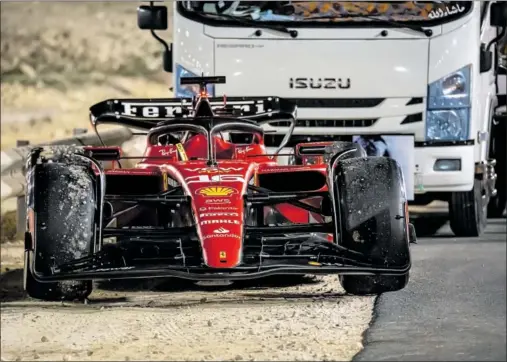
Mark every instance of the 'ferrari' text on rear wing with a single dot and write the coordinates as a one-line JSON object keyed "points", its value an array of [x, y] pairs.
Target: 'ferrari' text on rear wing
{"points": [[146, 113]]}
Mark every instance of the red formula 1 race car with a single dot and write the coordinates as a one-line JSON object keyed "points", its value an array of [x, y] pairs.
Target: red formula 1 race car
{"points": [[207, 202]]}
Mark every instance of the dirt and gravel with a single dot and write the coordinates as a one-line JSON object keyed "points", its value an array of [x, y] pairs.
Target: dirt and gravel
{"points": [[277, 319]]}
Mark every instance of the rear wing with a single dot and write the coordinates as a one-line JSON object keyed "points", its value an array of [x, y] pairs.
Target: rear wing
{"points": [[147, 113]]}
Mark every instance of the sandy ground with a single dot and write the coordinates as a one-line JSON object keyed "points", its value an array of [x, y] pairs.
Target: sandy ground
{"points": [[301, 319]]}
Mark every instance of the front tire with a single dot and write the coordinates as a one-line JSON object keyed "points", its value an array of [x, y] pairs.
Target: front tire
{"points": [[62, 196], [373, 218]]}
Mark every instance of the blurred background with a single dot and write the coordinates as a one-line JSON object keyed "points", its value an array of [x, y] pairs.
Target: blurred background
{"points": [[59, 58]]}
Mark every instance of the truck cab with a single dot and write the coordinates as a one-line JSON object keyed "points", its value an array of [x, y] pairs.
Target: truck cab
{"points": [[421, 77]]}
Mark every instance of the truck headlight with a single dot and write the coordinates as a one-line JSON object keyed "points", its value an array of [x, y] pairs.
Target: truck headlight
{"points": [[188, 90], [448, 107]]}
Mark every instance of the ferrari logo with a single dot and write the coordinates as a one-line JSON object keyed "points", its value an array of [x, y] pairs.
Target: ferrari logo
{"points": [[223, 255], [216, 191]]}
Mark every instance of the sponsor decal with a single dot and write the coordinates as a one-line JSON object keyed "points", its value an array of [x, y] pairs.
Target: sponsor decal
{"points": [[214, 170], [221, 231], [211, 236], [214, 178], [212, 191], [218, 208], [169, 109], [213, 214], [223, 255], [169, 152], [241, 151], [208, 222], [217, 201]]}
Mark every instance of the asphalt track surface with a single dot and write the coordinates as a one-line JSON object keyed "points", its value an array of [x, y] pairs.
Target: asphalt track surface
{"points": [[454, 307]]}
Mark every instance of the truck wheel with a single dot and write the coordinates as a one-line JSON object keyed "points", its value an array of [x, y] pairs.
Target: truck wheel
{"points": [[372, 202], [63, 198], [497, 204], [468, 211]]}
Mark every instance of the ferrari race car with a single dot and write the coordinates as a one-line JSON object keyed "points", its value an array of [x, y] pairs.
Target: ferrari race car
{"points": [[207, 202]]}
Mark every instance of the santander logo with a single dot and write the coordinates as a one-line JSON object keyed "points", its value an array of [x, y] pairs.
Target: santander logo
{"points": [[221, 231]]}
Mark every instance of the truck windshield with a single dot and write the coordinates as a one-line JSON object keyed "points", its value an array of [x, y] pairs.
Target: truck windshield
{"points": [[325, 13]]}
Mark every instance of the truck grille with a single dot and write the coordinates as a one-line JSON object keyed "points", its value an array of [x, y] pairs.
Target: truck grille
{"points": [[336, 102], [329, 123]]}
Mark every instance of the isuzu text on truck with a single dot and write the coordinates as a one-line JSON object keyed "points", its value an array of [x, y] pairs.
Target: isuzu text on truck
{"points": [[414, 80]]}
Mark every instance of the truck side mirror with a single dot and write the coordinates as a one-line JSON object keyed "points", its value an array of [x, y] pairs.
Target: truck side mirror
{"points": [[152, 17], [155, 18], [498, 14]]}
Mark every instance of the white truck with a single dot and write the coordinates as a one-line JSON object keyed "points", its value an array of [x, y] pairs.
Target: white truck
{"points": [[374, 71]]}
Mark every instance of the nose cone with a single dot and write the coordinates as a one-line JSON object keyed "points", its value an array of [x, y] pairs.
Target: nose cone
{"points": [[220, 224], [222, 244], [217, 196]]}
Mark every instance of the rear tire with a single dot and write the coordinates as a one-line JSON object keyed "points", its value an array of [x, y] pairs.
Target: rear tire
{"points": [[370, 227], [468, 211], [63, 198]]}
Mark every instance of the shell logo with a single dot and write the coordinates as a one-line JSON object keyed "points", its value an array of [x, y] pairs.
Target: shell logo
{"points": [[216, 191]]}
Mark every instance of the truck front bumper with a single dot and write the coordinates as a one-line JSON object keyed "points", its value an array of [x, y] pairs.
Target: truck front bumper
{"points": [[429, 178]]}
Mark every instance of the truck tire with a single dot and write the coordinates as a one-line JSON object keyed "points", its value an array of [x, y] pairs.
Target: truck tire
{"points": [[497, 204], [372, 206], [468, 211], [62, 196]]}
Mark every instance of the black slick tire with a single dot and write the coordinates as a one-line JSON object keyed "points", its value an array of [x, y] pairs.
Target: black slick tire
{"points": [[372, 207], [63, 199]]}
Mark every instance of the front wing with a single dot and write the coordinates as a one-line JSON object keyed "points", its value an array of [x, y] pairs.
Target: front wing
{"points": [[296, 249]]}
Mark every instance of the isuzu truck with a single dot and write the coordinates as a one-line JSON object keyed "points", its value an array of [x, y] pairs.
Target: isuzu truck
{"points": [[415, 80]]}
